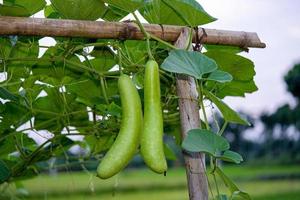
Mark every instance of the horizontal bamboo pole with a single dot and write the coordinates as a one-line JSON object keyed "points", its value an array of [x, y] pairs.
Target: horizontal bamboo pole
{"points": [[119, 30]]}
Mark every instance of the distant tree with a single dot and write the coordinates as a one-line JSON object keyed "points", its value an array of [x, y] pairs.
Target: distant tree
{"points": [[278, 144], [292, 79], [285, 116]]}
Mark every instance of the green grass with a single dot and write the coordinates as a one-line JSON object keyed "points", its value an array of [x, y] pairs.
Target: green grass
{"points": [[144, 184]]}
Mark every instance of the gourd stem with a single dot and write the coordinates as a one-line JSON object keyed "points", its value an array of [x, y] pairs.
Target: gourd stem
{"points": [[147, 35]]}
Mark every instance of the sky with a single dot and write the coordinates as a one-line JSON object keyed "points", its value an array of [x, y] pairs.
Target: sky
{"points": [[278, 25]]}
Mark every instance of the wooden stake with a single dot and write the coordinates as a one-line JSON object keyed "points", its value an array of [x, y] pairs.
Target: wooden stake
{"points": [[190, 119], [118, 30]]}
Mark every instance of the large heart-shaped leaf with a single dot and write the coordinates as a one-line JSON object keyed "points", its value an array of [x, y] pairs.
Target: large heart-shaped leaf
{"points": [[241, 69], [228, 114], [21, 8], [175, 12], [200, 140], [126, 5], [190, 63], [79, 9]]}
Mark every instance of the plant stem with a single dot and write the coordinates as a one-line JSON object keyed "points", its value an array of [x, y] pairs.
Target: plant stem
{"points": [[162, 41], [120, 61], [203, 107], [223, 128], [104, 90], [216, 183], [190, 39], [147, 35]]}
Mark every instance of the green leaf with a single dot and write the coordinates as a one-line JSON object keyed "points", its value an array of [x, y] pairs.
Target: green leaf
{"points": [[228, 114], [56, 71], [126, 5], [79, 9], [50, 12], [58, 110], [231, 156], [5, 94], [14, 114], [190, 63], [223, 48], [200, 140], [170, 155], [138, 79], [113, 14], [241, 69], [235, 191], [92, 96], [235, 88], [21, 8], [222, 197], [102, 64], [23, 52], [219, 76], [21, 190], [111, 109], [5, 48], [175, 12], [136, 51], [5, 172], [99, 144]]}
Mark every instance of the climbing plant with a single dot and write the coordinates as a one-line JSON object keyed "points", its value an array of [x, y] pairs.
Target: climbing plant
{"points": [[71, 88]]}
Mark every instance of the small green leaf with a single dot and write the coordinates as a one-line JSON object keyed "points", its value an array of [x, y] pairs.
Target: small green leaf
{"points": [[5, 172], [231, 156], [200, 140], [190, 63], [235, 191], [228, 114], [170, 155], [219, 76]]}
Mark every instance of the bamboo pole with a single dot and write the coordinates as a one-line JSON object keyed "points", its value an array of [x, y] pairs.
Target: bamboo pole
{"points": [[190, 119], [119, 30]]}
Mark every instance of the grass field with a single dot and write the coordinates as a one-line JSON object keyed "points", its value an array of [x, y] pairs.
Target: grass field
{"points": [[143, 184]]}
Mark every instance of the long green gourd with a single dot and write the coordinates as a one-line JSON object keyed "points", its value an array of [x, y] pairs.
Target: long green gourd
{"points": [[152, 148], [128, 139]]}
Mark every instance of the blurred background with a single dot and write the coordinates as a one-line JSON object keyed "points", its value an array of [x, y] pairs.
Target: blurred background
{"points": [[270, 147]]}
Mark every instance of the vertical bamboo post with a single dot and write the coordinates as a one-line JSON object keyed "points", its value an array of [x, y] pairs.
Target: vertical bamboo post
{"points": [[190, 119]]}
